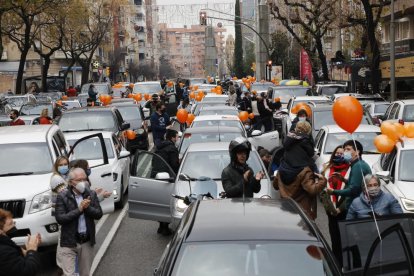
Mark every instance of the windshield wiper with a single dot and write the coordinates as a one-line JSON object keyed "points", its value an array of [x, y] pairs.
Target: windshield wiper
{"points": [[16, 173]]}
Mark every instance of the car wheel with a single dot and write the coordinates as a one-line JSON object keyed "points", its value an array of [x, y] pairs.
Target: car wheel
{"points": [[120, 203]]}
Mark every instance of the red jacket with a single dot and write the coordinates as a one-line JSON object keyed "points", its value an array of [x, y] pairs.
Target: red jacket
{"points": [[18, 122], [71, 92]]}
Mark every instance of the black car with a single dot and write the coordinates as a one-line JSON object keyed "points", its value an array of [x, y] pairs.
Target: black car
{"points": [[134, 115], [251, 237], [104, 118]]}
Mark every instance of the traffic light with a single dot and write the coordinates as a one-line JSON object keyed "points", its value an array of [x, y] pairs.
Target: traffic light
{"points": [[203, 18], [108, 71]]}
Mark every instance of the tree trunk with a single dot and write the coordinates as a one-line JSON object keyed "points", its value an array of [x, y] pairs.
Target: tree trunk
{"points": [[20, 72], [238, 44], [322, 59], [65, 75], [85, 73], [45, 70]]}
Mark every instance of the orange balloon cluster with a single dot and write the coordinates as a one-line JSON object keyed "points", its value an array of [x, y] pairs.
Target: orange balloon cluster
{"points": [[217, 90], [64, 97], [130, 95], [251, 116], [146, 96], [347, 113], [243, 115], [409, 130], [182, 115], [105, 99], [392, 132], [301, 106], [138, 97], [192, 95]]}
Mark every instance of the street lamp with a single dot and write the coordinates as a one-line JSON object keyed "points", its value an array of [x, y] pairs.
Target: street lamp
{"points": [[269, 70]]}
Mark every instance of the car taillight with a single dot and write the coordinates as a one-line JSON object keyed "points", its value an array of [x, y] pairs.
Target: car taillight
{"points": [[401, 121]]}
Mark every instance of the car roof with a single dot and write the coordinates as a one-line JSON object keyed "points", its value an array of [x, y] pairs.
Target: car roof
{"points": [[407, 101], [218, 107], [81, 134], [91, 108], [208, 146], [212, 95], [24, 134], [215, 118], [322, 107], [253, 219], [361, 128], [311, 98], [147, 82], [213, 129]]}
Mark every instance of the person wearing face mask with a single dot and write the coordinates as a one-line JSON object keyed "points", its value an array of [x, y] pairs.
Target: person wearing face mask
{"points": [[335, 205], [15, 260], [302, 116], [15, 120], [265, 111], [159, 122], [77, 208], [382, 203], [359, 168], [57, 180]]}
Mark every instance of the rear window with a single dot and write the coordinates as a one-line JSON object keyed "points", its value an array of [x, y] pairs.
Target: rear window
{"points": [[408, 115], [92, 120]]}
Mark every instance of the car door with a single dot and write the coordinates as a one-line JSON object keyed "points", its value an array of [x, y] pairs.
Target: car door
{"points": [[320, 147], [122, 163], [171, 105], [269, 140], [101, 171], [149, 190]]}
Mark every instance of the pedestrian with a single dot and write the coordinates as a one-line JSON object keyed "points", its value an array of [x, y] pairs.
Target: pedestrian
{"points": [[77, 208], [33, 88], [15, 260], [15, 120], [266, 157], [232, 97], [374, 199], [44, 117], [265, 111], [179, 91], [90, 102], [238, 178], [359, 168], [58, 179], [152, 103], [168, 151], [71, 92], [185, 104], [335, 205], [57, 113], [246, 102], [92, 92], [159, 122], [301, 116]]}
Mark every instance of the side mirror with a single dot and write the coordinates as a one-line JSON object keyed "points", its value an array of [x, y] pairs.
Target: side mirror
{"points": [[162, 176], [125, 126], [124, 154], [256, 132], [384, 175]]}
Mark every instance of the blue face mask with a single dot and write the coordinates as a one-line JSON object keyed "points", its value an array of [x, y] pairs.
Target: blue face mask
{"points": [[88, 172], [338, 159], [347, 156], [63, 169]]}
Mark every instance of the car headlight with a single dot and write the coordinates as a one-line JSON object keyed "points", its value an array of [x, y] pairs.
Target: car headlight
{"points": [[180, 206], [408, 204], [41, 202]]}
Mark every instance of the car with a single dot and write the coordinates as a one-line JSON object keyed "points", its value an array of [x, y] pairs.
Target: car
{"points": [[377, 109], [206, 88], [195, 108], [27, 157], [98, 118], [330, 88], [259, 87], [147, 87], [208, 134], [362, 98], [102, 88], [150, 187], [70, 104], [118, 160], [400, 111], [331, 136], [134, 115], [396, 170], [16, 102], [218, 110], [247, 237], [284, 93]]}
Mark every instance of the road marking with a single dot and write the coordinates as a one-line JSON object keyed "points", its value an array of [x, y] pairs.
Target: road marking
{"points": [[108, 239], [101, 222]]}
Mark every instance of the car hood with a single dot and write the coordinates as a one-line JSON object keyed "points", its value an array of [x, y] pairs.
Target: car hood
{"points": [[23, 186]]}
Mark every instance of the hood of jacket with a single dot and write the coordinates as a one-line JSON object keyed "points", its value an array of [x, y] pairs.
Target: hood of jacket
{"points": [[165, 144], [292, 138]]}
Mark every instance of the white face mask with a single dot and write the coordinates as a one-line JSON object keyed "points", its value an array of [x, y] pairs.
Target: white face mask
{"points": [[374, 191], [247, 127], [81, 187], [302, 119]]}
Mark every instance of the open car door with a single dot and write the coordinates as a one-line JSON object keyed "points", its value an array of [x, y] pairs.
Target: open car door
{"points": [[268, 140], [101, 174], [363, 253], [150, 187]]}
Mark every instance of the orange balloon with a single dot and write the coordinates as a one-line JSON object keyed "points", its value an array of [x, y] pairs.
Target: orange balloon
{"points": [[201, 93], [182, 115], [219, 92], [301, 106], [218, 87], [170, 84], [130, 134], [64, 97], [192, 95], [251, 116], [384, 144], [190, 118], [195, 87], [390, 129], [130, 95], [277, 99], [247, 85], [409, 130], [254, 79], [243, 116], [400, 129], [213, 90], [347, 113], [138, 97], [101, 97], [198, 98], [146, 96]]}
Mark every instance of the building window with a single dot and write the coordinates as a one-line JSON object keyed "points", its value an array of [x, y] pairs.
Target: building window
{"points": [[138, 2], [404, 29]]}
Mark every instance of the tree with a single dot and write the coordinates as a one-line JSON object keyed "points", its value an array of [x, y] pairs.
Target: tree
{"points": [[308, 22], [285, 51], [238, 44], [142, 70], [249, 59], [4, 7], [166, 69]]}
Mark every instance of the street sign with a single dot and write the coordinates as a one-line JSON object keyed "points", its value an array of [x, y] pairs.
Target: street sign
{"points": [[100, 71], [95, 64]]}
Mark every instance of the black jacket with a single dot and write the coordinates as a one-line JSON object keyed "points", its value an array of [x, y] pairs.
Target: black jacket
{"points": [[232, 181], [67, 214], [263, 111], [169, 152], [246, 104], [12, 260], [295, 121], [299, 150]]}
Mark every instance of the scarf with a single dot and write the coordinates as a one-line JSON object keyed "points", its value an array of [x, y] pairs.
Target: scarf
{"points": [[334, 182]]}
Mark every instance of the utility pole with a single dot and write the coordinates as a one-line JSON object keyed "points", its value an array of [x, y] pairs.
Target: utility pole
{"points": [[392, 54], [262, 25], [210, 56]]}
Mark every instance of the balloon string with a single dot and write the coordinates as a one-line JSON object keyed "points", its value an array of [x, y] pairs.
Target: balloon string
{"points": [[366, 188]]}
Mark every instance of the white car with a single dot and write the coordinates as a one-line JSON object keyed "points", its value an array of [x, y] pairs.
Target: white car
{"points": [[147, 87], [331, 136], [268, 140], [117, 158], [400, 111], [328, 89], [27, 157], [16, 102], [396, 170], [215, 98], [71, 104], [377, 108]]}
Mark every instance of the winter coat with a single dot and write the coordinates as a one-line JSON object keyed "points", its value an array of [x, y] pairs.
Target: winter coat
{"points": [[13, 262], [159, 125], [169, 152], [246, 104], [232, 181], [263, 111], [383, 204], [295, 121], [92, 93], [232, 99], [299, 150], [304, 190], [67, 215]]}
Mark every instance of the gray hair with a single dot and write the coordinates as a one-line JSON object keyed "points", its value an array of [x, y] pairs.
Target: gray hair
{"points": [[368, 177], [75, 172]]}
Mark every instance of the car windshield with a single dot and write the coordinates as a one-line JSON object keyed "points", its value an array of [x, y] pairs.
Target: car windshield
{"points": [[91, 149], [251, 258], [229, 123], [365, 138], [259, 87], [330, 90], [191, 138], [36, 158], [129, 113], [408, 115], [17, 101], [147, 88], [381, 108], [234, 112], [71, 104], [100, 88], [286, 93], [406, 172], [29, 109], [212, 163], [325, 117], [197, 81], [93, 120], [214, 99], [204, 104]]}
